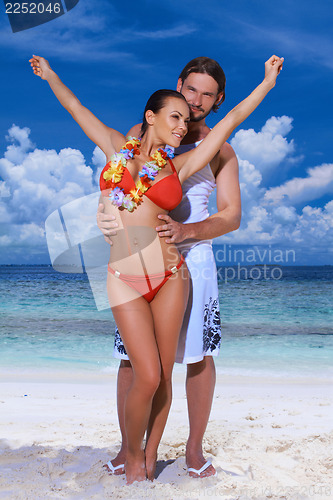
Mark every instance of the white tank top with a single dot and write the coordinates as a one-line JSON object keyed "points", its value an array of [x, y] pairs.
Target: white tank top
{"points": [[196, 191]]}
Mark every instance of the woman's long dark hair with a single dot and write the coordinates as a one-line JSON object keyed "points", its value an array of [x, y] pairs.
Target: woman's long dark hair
{"points": [[156, 102]]}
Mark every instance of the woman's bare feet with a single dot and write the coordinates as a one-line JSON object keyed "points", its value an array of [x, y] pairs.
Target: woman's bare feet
{"points": [[196, 461], [151, 466], [116, 463], [135, 467]]}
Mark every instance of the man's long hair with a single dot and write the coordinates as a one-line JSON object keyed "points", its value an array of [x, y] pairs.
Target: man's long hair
{"points": [[211, 68]]}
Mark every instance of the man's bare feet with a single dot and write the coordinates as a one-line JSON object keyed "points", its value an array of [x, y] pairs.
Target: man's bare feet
{"points": [[116, 463], [135, 467], [197, 461], [151, 466]]}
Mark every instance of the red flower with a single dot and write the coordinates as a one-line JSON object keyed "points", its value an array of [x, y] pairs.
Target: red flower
{"points": [[162, 153]]}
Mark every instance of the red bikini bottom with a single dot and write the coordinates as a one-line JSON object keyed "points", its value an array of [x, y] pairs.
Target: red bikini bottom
{"points": [[153, 282]]}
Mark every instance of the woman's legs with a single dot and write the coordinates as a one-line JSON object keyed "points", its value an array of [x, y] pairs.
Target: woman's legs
{"points": [[150, 334], [168, 311], [135, 323]]}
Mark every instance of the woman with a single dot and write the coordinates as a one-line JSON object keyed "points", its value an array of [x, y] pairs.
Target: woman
{"points": [[147, 279]]}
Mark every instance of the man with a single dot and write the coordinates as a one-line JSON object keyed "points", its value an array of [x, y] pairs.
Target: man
{"points": [[202, 82]]}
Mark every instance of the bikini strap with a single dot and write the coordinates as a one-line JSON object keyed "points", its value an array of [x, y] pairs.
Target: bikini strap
{"points": [[172, 166]]}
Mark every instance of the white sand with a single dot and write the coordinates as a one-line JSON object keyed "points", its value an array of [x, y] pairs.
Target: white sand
{"points": [[268, 439]]}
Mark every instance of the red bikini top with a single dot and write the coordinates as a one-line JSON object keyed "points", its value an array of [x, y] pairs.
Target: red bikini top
{"points": [[165, 193]]}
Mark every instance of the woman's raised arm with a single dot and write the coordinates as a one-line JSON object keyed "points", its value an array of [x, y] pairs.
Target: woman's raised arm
{"points": [[192, 161], [108, 139]]}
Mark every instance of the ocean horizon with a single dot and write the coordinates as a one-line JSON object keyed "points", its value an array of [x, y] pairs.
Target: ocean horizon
{"points": [[273, 324]]}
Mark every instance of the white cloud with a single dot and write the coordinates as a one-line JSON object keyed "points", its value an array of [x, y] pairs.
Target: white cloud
{"points": [[4, 190], [318, 183], [284, 214], [279, 223], [31, 234], [16, 152], [278, 125], [250, 180], [33, 184], [268, 148], [312, 229], [99, 160], [270, 215], [313, 232], [36, 183]]}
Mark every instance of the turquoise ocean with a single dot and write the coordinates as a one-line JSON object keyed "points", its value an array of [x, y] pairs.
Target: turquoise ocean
{"points": [[274, 324]]}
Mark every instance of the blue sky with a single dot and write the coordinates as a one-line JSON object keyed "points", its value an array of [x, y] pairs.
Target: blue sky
{"points": [[113, 55]]}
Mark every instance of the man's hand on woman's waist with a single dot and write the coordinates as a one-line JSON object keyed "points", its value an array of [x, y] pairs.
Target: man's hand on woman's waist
{"points": [[174, 231]]}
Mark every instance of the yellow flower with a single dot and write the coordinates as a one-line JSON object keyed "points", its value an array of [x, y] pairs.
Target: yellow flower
{"points": [[107, 175], [114, 173], [133, 144], [133, 141], [117, 176], [136, 195], [159, 159], [142, 187]]}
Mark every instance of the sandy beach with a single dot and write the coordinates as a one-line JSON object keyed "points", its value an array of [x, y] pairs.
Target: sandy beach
{"points": [[267, 438]]}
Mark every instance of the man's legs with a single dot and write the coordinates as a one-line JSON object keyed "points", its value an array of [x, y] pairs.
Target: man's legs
{"points": [[124, 382], [200, 385]]}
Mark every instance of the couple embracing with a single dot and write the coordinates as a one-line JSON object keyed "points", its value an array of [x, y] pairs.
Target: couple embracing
{"points": [[155, 188]]}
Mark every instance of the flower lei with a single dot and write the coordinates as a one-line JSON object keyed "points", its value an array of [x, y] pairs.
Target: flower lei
{"points": [[116, 169]]}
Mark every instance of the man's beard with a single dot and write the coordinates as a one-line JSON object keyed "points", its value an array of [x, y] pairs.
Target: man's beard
{"points": [[200, 117]]}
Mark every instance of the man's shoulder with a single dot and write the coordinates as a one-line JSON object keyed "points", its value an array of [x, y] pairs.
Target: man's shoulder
{"points": [[226, 150], [223, 156]]}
